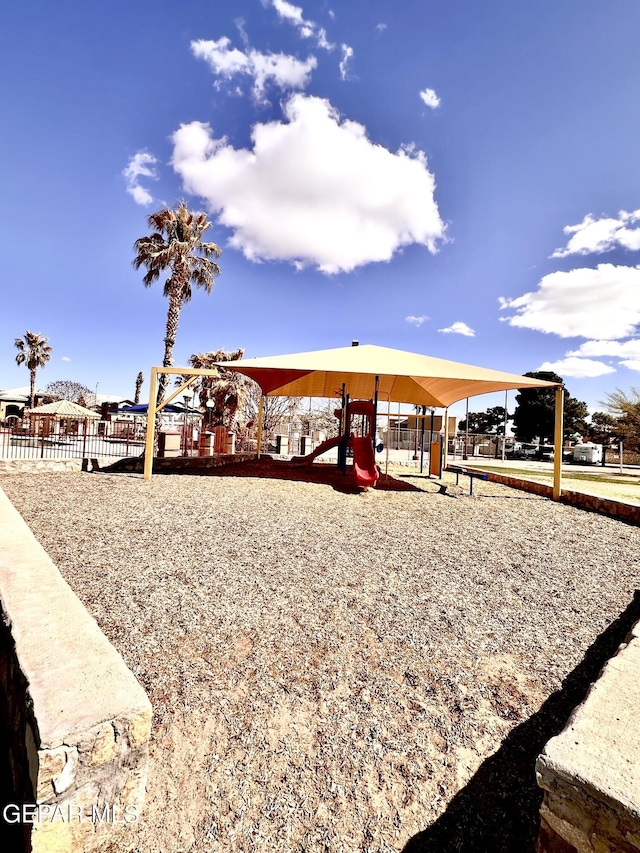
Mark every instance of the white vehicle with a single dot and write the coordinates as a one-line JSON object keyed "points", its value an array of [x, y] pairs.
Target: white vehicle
{"points": [[587, 453]]}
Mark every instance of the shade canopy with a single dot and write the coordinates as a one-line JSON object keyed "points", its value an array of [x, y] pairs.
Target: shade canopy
{"points": [[142, 409], [64, 409], [404, 377]]}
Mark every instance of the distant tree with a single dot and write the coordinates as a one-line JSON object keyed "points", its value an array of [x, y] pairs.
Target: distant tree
{"points": [[604, 428], [625, 407], [176, 245], [490, 422], [139, 381], [323, 418], [478, 423], [67, 389], [274, 409], [534, 416], [33, 351]]}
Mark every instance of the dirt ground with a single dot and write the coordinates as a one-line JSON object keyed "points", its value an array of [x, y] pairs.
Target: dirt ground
{"points": [[339, 671]]}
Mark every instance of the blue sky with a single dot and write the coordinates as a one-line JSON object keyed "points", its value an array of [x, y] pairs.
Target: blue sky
{"points": [[454, 179]]}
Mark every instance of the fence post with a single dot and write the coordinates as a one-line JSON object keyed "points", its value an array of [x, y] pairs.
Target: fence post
{"points": [[84, 438]]}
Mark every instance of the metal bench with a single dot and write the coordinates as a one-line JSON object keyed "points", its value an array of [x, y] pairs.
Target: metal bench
{"points": [[472, 475]]}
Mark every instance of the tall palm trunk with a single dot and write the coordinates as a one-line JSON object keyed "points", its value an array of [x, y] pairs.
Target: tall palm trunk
{"points": [[173, 318], [32, 389]]}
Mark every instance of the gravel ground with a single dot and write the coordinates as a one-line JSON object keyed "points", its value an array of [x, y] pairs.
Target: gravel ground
{"points": [[334, 671]]}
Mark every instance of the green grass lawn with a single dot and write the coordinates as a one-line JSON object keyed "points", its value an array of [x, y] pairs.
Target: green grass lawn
{"points": [[600, 482], [567, 474]]}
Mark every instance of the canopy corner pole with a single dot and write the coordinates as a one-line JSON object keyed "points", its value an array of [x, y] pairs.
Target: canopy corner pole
{"points": [[342, 461], [445, 440], [558, 444], [465, 455], [374, 425], [433, 412], [386, 459], [345, 438], [260, 418], [151, 425], [506, 418]]}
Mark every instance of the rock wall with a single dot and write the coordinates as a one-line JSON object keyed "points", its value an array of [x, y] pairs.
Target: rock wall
{"points": [[590, 772], [75, 724], [179, 464]]}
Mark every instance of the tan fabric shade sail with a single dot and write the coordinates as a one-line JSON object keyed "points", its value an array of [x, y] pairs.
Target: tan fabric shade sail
{"points": [[404, 377]]}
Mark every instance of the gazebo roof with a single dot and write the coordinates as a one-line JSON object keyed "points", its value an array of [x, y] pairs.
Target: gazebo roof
{"points": [[64, 409]]}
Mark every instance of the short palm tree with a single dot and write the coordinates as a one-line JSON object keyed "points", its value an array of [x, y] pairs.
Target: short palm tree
{"points": [[35, 352], [228, 390], [176, 245]]}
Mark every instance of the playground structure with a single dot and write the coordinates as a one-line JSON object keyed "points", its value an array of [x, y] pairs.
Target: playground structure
{"points": [[357, 432], [362, 371]]}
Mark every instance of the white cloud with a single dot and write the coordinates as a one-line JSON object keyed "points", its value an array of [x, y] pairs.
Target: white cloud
{"points": [[141, 165], [577, 367], [289, 12], [304, 193], [306, 29], [65, 358], [601, 235], [587, 303], [283, 70], [631, 363], [140, 195], [459, 328], [381, 27], [322, 40], [430, 98], [619, 349], [416, 321], [347, 53], [287, 72]]}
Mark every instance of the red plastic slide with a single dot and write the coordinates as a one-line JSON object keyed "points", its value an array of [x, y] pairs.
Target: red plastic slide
{"points": [[364, 462], [320, 449]]}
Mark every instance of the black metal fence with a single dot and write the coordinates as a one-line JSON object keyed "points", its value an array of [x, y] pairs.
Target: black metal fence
{"points": [[70, 439]]}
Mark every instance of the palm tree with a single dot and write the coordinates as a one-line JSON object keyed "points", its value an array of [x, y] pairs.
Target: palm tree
{"points": [[176, 245], [228, 390], [35, 352], [139, 381]]}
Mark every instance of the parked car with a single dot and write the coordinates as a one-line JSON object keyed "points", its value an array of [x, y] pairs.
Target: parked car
{"points": [[521, 450], [545, 453]]}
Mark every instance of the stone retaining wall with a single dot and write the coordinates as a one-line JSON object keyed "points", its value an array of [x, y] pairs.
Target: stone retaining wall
{"points": [[179, 464], [75, 723], [590, 772]]}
